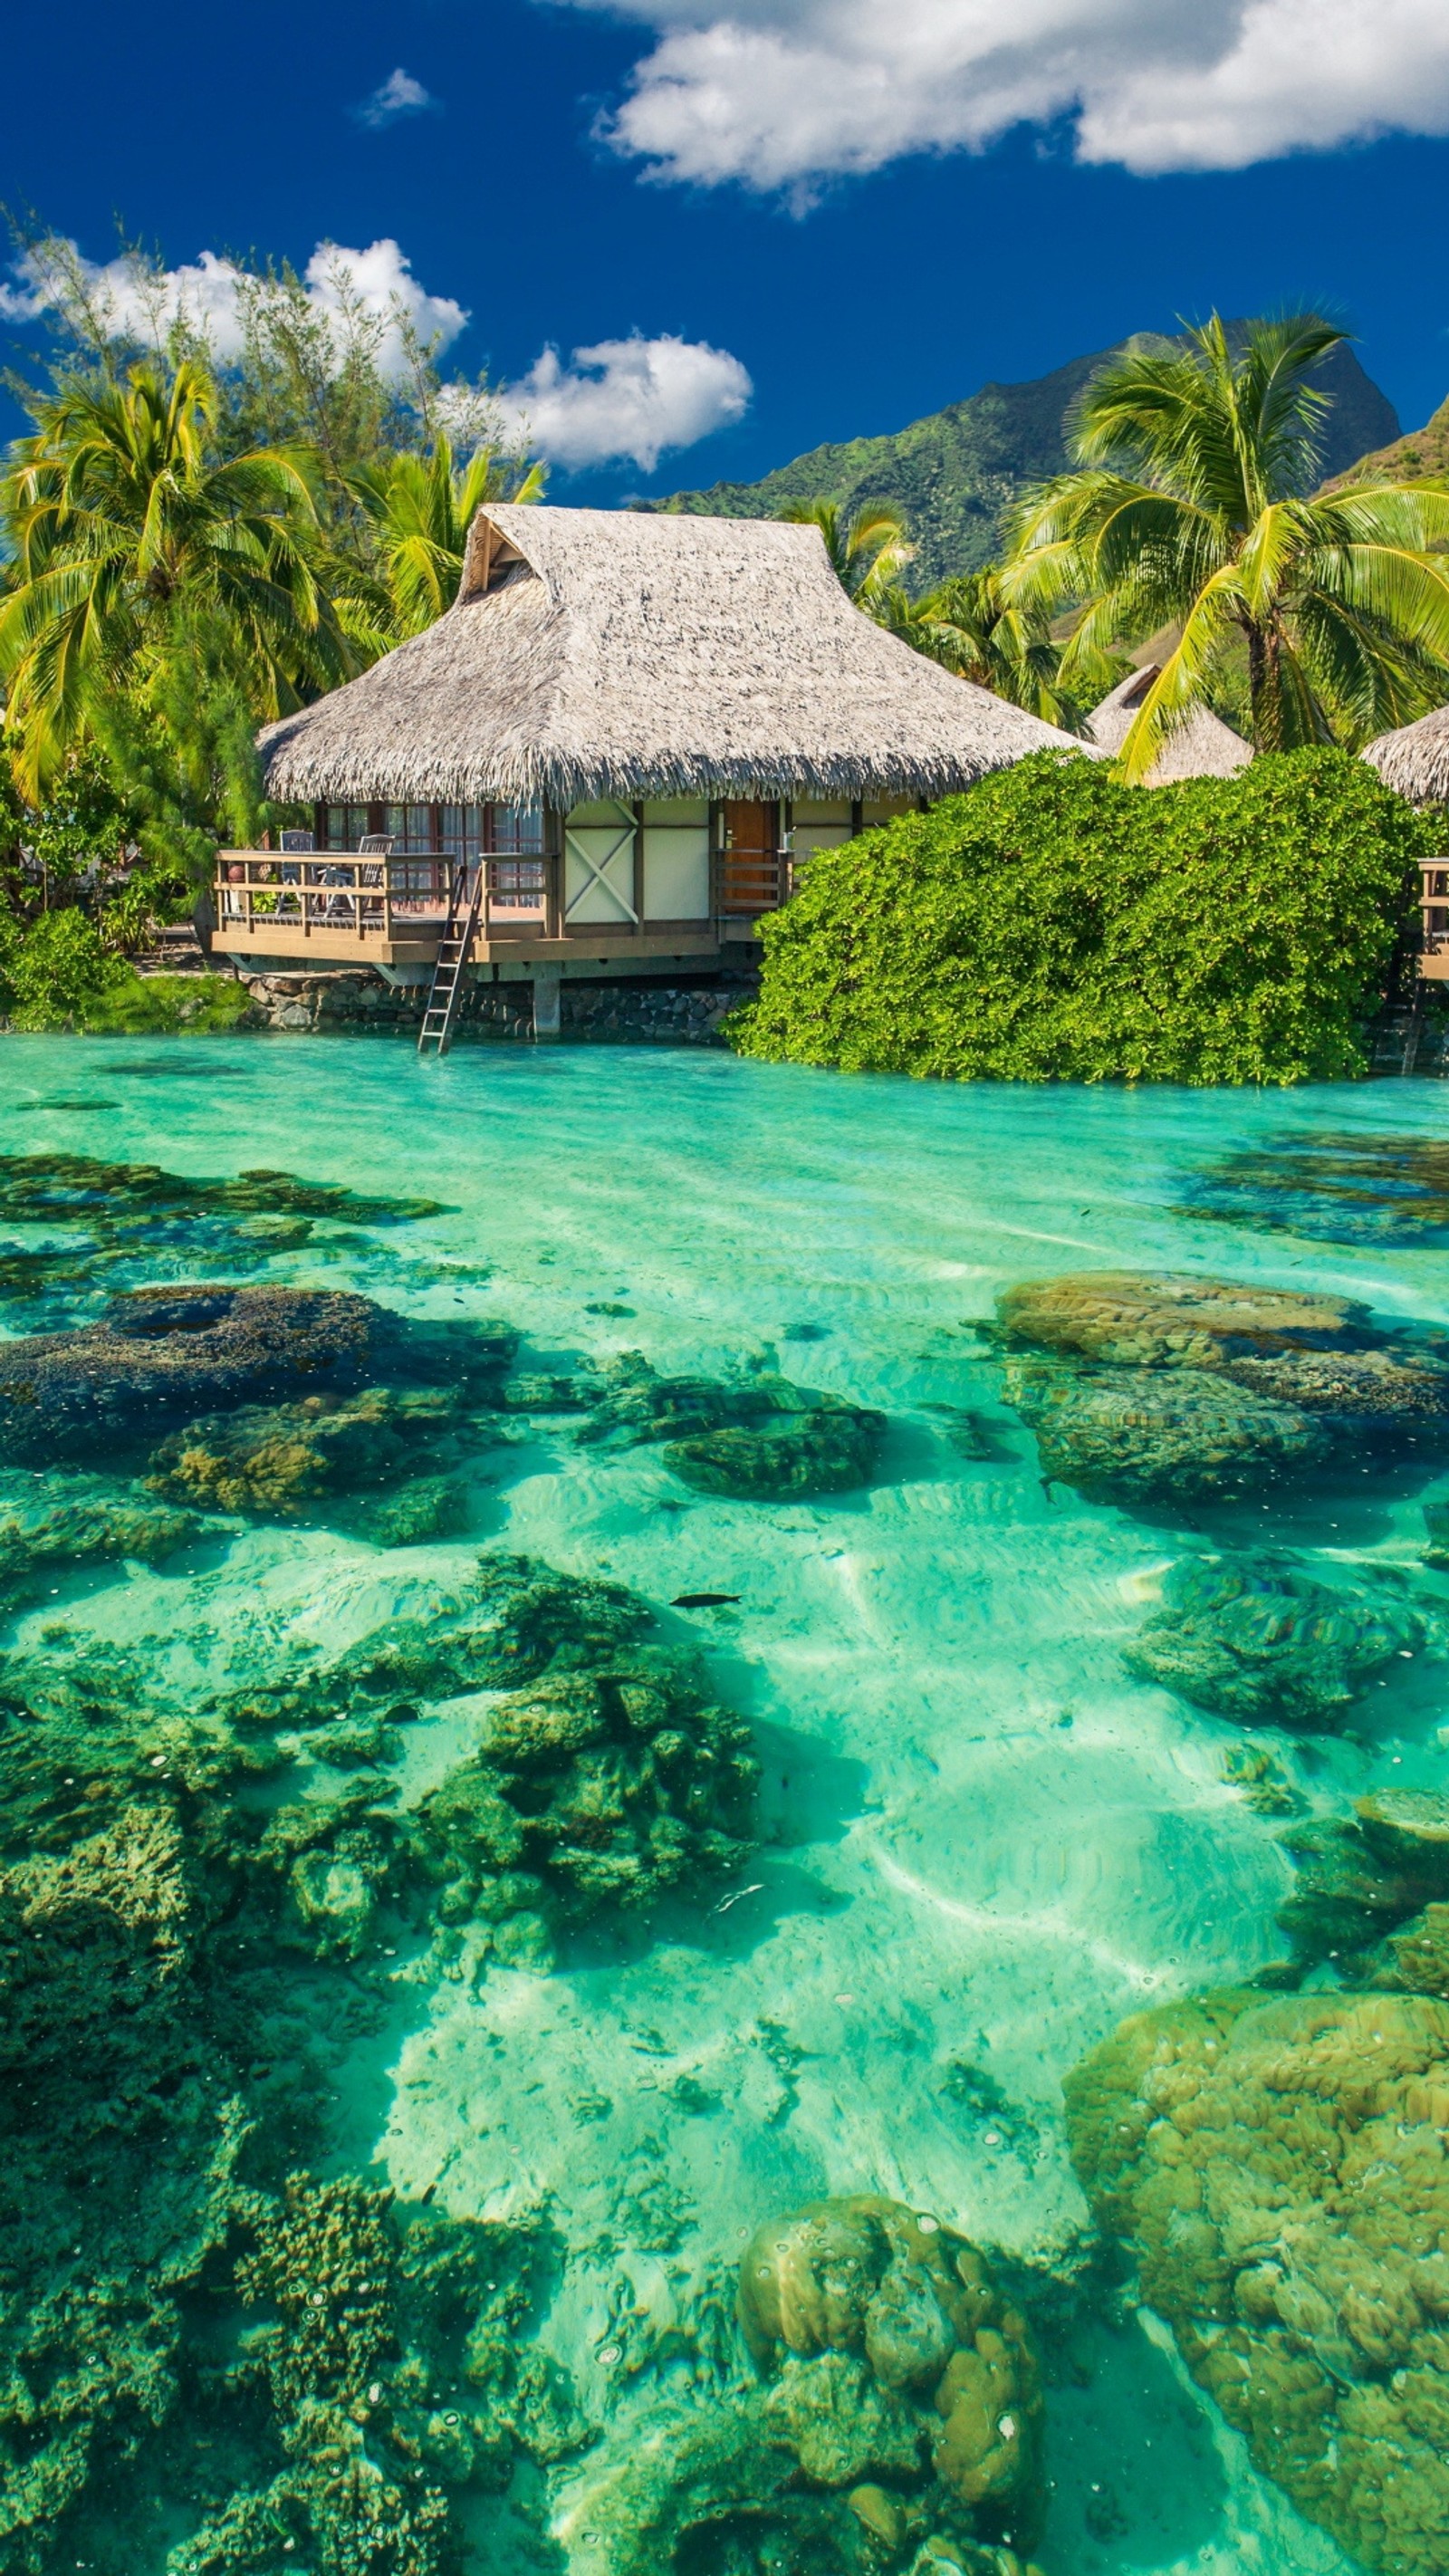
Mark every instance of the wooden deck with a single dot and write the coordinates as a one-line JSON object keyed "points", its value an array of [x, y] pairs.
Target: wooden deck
{"points": [[348, 908]]}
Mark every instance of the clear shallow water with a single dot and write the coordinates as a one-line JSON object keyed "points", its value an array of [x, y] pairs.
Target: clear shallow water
{"points": [[987, 1843]]}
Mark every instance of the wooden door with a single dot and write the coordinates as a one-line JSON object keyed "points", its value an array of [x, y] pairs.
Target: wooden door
{"points": [[750, 876]]}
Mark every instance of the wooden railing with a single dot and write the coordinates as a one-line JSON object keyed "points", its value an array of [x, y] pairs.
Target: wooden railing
{"points": [[343, 893]]}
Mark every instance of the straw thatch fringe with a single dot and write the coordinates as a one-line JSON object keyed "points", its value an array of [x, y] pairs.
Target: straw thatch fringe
{"points": [[597, 653], [1202, 746], [1415, 760]]}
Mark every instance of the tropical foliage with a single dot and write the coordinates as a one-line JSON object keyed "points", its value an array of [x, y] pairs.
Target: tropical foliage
{"points": [[121, 519], [1187, 511], [195, 538], [866, 550], [419, 510], [973, 627], [1221, 931]]}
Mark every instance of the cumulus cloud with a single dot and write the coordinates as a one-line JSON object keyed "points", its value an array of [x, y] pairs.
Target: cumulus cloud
{"points": [[399, 95], [625, 399], [786, 93], [138, 301]]}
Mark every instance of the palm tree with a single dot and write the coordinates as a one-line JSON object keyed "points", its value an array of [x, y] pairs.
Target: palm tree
{"points": [[419, 509], [1187, 510], [971, 627], [119, 514], [866, 551]]}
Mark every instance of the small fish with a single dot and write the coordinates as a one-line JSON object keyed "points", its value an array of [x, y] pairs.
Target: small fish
{"points": [[726, 1902], [702, 1600], [425, 2196]]}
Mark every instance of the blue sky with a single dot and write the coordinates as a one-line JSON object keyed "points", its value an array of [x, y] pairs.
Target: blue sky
{"points": [[864, 207]]}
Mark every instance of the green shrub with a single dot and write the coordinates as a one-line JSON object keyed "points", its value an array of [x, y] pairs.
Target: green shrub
{"points": [[1054, 925], [59, 974]]}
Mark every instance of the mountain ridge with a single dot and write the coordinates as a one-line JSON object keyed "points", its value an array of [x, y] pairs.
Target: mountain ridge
{"points": [[955, 473]]}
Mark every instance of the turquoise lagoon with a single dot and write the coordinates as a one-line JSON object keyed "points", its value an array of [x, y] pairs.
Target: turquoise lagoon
{"points": [[984, 1842]]}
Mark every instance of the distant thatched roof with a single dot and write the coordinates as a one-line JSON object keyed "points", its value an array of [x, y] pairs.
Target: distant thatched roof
{"points": [[1204, 747], [611, 652], [1416, 759]]}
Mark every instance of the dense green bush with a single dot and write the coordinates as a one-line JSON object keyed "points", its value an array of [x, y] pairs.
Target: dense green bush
{"points": [[59, 974], [1052, 924]]}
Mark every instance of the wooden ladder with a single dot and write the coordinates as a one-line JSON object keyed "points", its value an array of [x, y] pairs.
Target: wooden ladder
{"points": [[454, 950]]}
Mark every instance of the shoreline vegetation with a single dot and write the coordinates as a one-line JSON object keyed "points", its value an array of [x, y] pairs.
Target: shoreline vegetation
{"points": [[1055, 924], [196, 544]]}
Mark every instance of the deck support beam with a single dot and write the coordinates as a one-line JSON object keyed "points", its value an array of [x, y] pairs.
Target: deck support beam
{"points": [[546, 988]]}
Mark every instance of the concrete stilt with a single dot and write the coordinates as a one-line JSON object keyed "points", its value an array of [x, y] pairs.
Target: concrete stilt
{"points": [[545, 1002]]}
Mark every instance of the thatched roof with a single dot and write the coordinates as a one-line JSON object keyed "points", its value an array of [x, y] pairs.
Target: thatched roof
{"points": [[1203, 747], [1416, 759], [614, 652]]}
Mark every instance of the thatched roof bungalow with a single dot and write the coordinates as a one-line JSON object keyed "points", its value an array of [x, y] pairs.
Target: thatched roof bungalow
{"points": [[1203, 747], [1415, 760], [629, 725]]}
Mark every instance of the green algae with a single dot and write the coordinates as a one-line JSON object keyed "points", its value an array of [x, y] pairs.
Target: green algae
{"points": [[1278, 2168], [1253, 1636]]}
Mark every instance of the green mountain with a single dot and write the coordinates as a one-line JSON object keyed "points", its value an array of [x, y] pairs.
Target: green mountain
{"points": [[954, 475], [1418, 452]]}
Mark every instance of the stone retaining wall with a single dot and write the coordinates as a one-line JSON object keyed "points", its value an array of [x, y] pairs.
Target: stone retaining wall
{"points": [[643, 1012]]}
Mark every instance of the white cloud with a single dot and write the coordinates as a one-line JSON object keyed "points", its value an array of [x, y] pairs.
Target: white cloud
{"points": [[786, 93], [625, 398], [399, 95], [141, 302]]}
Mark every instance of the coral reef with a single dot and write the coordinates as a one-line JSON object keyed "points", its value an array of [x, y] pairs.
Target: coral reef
{"points": [[1279, 2166], [164, 1356], [602, 1787], [286, 1461], [82, 1520], [1360, 1878], [1254, 1637], [1166, 1389], [758, 1436], [301, 2365], [891, 2349], [393, 2374]]}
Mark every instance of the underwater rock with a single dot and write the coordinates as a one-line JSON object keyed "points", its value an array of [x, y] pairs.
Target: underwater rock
{"points": [[1169, 1436], [60, 1189], [1436, 1517], [912, 2310], [1358, 1878], [123, 1222], [1254, 1637], [1165, 1388], [758, 1437], [160, 1356], [1338, 1189], [1279, 2166], [82, 1520], [604, 1787], [833, 1450], [1141, 1319]]}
